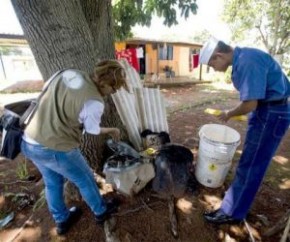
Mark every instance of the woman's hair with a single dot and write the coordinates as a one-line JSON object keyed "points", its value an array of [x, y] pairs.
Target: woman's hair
{"points": [[110, 72]]}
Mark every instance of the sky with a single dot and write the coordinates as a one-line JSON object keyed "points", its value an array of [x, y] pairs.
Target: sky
{"points": [[8, 21], [207, 18]]}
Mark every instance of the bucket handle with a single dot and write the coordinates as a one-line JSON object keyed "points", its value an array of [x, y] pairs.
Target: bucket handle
{"points": [[226, 146]]}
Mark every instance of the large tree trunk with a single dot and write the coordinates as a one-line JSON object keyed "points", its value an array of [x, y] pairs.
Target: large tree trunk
{"points": [[97, 14], [93, 146], [58, 34], [71, 34]]}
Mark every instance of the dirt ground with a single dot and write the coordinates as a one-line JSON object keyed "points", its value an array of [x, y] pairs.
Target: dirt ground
{"points": [[145, 218]]}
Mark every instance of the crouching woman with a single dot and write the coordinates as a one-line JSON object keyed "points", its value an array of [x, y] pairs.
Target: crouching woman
{"points": [[72, 104]]}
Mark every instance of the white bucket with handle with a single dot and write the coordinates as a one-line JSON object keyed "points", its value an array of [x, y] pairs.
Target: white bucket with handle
{"points": [[217, 147]]}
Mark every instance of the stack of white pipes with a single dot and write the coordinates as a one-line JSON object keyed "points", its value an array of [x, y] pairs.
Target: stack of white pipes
{"points": [[126, 108], [142, 108], [133, 78], [151, 109]]}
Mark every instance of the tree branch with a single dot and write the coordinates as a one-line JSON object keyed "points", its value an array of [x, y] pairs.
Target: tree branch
{"points": [[264, 39]]}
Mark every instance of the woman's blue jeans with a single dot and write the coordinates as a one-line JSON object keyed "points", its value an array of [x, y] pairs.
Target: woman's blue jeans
{"points": [[266, 128], [55, 166]]}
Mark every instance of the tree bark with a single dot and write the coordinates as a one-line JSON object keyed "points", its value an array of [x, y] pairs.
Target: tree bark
{"points": [[98, 14], [58, 34], [71, 34]]}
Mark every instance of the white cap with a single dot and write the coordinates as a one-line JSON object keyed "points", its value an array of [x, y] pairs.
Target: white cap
{"points": [[207, 50]]}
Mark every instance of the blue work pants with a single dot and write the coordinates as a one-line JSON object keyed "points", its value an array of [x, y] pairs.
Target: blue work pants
{"points": [[266, 128]]}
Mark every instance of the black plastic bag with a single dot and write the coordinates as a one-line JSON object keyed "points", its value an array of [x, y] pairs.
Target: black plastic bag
{"points": [[12, 141], [13, 127], [122, 155]]}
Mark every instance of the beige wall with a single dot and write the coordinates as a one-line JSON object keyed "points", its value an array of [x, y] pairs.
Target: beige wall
{"points": [[151, 59], [184, 61]]}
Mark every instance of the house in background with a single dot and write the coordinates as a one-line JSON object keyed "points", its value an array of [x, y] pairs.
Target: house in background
{"points": [[153, 59], [17, 62], [162, 58]]}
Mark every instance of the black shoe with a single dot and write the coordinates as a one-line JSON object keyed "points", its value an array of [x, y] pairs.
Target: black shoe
{"points": [[210, 213], [219, 217], [112, 207], [74, 215]]}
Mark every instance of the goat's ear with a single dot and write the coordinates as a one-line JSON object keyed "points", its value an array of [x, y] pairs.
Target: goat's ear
{"points": [[146, 132], [164, 137]]}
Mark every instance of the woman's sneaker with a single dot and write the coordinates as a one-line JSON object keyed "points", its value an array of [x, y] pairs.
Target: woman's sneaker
{"points": [[112, 207], [74, 215]]}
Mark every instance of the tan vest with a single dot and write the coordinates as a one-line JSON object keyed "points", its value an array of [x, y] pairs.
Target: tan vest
{"points": [[55, 123]]}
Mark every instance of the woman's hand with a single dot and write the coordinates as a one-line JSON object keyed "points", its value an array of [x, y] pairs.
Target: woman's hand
{"points": [[113, 132]]}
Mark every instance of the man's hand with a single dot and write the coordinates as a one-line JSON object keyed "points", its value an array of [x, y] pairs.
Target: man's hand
{"points": [[243, 108], [224, 116]]}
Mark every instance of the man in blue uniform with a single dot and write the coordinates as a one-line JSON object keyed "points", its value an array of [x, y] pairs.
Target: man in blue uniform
{"points": [[264, 90]]}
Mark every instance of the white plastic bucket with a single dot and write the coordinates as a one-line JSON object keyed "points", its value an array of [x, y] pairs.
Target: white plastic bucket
{"points": [[217, 147]]}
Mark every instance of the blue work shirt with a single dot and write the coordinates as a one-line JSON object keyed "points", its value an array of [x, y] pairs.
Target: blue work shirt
{"points": [[257, 76]]}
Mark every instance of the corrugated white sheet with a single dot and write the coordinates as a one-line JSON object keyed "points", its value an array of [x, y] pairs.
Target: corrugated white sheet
{"points": [[142, 108], [151, 109]]}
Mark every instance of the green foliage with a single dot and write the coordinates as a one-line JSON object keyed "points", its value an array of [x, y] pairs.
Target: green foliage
{"points": [[201, 36], [228, 76], [127, 13], [243, 18], [21, 170], [4, 50], [40, 202], [267, 20]]}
